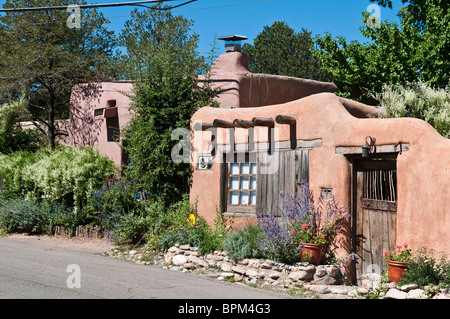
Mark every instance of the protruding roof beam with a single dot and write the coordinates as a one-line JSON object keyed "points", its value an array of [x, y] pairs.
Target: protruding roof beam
{"points": [[285, 119], [242, 123], [261, 121], [222, 123]]}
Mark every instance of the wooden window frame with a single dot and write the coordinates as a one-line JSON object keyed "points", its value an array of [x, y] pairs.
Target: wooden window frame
{"points": [[238, 210]]}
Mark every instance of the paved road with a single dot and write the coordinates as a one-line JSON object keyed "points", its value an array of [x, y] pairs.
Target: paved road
{"points": [[34, 271]]}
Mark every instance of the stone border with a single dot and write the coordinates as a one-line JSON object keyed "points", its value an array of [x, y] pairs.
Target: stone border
{"points": [[307, 280]]}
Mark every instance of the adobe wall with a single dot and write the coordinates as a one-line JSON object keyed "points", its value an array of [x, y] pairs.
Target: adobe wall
{"points": [[87, 129], [423, 172]]}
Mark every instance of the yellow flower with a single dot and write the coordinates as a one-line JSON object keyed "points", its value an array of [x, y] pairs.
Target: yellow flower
{"points": [[191, 219]]}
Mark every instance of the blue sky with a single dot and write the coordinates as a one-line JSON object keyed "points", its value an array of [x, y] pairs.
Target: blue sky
{"points": [[248, 17]]}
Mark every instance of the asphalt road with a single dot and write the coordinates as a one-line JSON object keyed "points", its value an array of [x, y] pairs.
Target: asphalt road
{"points": [[35, 271]]}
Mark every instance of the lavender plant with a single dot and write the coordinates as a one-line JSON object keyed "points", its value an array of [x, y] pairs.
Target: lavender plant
{"points": [[300, 221]]}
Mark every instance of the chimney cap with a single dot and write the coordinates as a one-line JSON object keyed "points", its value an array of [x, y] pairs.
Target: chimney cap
{"points": [[234, 37]]}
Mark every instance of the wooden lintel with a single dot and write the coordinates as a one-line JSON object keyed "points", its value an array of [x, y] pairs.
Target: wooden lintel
{"points": [[242, 123], [261, 121], [222, 123], [199, 126], [285, 119], [387, 148]]}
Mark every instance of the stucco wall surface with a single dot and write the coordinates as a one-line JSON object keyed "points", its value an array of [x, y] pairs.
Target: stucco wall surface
{"points": [[87, 129]]}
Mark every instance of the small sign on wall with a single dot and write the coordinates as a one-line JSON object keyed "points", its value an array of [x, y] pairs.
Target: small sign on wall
{"points": [[205, 162]]}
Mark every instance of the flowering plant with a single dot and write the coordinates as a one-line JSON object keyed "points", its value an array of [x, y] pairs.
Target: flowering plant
{"points": [[300, 222], [401, 253]]}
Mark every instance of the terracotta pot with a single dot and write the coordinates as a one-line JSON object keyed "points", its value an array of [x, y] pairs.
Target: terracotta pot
{"points": [[312, 253], [395, 270]]}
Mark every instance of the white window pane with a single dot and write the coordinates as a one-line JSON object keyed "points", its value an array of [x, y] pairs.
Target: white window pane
{"points": [[245, 168], [234, 198], [252, 198], [253, 182], [244, 198], [253, 169], [234, 182], [244, 183], [234, 168]]}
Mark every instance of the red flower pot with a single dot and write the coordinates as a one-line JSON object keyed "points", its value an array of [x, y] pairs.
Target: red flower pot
{"points": [[396, 270], [312, 253]]}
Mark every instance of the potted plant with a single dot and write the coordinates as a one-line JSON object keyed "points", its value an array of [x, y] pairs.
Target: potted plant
{"points": [[397, 261], [310, 244]]}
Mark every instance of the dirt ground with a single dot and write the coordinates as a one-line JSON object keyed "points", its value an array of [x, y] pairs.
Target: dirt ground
{"points": [[91, 245]]}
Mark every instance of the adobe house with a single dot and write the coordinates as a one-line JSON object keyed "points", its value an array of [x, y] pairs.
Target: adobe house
{"points": [[393, 173], [270, 132], [98, 113]]}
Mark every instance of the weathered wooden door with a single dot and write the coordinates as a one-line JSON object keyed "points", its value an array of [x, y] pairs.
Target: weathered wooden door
{"points": [[277, 176], [375, 213]]}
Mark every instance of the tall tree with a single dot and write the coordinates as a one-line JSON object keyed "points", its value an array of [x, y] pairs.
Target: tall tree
{"points": [[42, 58], [416, 49], [279, 50], [163, 60]]}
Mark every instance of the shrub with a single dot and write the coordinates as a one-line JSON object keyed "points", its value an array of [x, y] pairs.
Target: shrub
{"points": [[420, 101], [64, 215], [21, 215], [184, 236], [66, 174], [112, 200], [242, 243], [425, 269]]}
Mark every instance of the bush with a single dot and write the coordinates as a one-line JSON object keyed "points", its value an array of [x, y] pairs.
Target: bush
{"points": [[21, 215], [113, 200], [242, 243], [64, 215], [66, 174], [184, 236], [420, 101], [425, 269], [30, 216]]}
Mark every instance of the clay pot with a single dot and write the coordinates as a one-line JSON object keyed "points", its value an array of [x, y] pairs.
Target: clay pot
{"points": [[312, 253], [395, 270]]}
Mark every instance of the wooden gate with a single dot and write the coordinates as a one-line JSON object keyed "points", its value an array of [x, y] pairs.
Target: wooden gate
{"points": [[374, 212], [279, 177]]}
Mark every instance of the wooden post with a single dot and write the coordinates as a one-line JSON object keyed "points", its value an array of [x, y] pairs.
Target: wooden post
{"points": [[242, 123], [261, 121], [222, 123], [285, 119]]}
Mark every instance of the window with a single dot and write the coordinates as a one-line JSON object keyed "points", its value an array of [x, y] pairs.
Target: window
{"points": [[242, 184]]}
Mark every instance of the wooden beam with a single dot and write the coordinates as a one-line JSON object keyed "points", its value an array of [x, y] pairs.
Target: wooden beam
{"points": [[199, 126], [222, 123], [261, 121], [285, 119], [242, 123]]}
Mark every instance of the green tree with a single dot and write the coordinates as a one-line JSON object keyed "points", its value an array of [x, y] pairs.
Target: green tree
{"points": [[42, 58], [12, 136], [417, 49], [164, 62], [279, 50]]}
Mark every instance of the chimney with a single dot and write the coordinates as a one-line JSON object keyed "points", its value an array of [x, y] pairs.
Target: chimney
{"points": [[233, 42]]}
